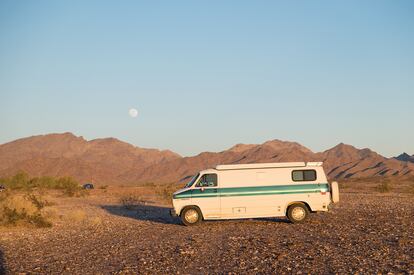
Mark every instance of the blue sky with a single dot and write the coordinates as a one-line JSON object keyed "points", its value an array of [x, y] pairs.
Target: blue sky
{"points": [[207, 75]]}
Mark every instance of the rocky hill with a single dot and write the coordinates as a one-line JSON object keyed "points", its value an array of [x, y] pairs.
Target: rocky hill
{"points": [[99, 160], [405, 157], [341, 161], [111, 161]]}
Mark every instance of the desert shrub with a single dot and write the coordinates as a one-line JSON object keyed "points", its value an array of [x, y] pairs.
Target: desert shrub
{"points": [[43, 182], [18, 181], [22, 181], [129, 201], [148, 184], [411, 188], [95, 221], [69, 186], [343, 185], [18, 209], [384, 186], [51, 213], [165, 191], [411, 183], [38, 201], [103, 187], [77, 216]]}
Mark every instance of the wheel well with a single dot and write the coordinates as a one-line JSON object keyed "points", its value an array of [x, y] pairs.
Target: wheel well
{"points": [[188, 206], [302, 202]]}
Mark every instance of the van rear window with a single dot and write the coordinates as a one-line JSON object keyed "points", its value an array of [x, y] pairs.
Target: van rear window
{"points": [[304, 175]]}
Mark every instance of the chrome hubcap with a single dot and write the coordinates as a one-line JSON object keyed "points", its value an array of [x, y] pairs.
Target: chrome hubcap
{"points": [[298, 213], [191, 216]]}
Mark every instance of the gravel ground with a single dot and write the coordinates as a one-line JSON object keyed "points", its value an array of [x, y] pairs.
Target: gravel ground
{"points": [[364, 233]]}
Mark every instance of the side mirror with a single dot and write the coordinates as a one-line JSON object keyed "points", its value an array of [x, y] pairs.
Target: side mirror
{"points": [[202, 189]]}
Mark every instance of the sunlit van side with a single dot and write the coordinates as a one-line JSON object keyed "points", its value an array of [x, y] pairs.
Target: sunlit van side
{"points": [[292, 189]]}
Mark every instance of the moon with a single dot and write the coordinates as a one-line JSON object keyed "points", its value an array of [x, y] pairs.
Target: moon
{"points": [[133, 112]]}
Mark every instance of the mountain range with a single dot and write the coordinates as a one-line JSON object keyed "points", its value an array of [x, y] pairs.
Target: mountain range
{"points": [[405, 157], [111, 161]]}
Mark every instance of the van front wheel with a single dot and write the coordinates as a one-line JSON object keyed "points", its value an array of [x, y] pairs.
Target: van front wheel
{"points": [[191, 216], [297, 213]]}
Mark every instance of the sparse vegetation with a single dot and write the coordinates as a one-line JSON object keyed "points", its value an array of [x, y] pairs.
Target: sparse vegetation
{"points": [[19, 209], [20, 203], [166, 191], [77, 216], [92, 226], [148, 184], [411, 186], [96, 221], [384, 186], [411, 189], [22, 181], [38, 201], [129, 201], [395, 184]]}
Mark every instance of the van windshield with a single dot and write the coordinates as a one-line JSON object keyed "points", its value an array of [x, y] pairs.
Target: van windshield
{"points": [[192, 181]]}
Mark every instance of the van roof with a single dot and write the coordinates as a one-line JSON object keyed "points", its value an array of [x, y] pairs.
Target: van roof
{"points": [[267, 165]]}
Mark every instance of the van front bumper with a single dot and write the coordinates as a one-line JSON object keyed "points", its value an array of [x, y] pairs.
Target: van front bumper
{"points": [[173, 213]]}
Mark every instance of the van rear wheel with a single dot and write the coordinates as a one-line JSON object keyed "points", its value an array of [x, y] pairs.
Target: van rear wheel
{"points": [[297, 213], [191, 216]]}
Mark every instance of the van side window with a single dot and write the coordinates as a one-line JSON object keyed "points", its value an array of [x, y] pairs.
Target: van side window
{"points": [[304, 175], [207, 180]]}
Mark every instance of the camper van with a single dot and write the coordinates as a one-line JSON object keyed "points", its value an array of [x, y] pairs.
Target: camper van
{"points": [[292, 189]]}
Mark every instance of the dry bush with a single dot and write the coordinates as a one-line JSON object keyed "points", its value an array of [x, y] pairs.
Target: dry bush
{"points": [[38, 201], [166, 191], [357, 184], [50, 213], [18, 181], [411, 185], [384, 186], [129, 201], [69, 187], [19, 209], [76, 216], [148, 184], [410, 189], [96, 221], [22, 181], [342, 185], [20, 203]]}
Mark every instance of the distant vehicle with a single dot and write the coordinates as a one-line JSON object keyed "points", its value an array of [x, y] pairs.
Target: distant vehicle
{"points": [[292, 189], [88, 186], [2, 188]]}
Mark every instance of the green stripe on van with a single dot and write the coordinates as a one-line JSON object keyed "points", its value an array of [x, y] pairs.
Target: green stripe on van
{"points": [[254, 191]]}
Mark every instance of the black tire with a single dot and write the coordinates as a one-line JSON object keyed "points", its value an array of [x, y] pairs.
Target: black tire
{"points": [[191, 215], [297, 213]]}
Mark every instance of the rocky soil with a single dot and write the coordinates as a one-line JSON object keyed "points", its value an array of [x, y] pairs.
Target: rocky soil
{"points": [[364, 233]]}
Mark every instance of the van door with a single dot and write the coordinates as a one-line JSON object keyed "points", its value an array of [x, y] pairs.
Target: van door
{"points": [[206, 195]]}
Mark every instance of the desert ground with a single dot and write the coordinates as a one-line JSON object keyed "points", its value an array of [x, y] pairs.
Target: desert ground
{"points": [[128, 230]]}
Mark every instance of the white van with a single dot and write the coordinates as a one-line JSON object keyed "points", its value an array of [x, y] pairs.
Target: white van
{"points": [[292, 189]]}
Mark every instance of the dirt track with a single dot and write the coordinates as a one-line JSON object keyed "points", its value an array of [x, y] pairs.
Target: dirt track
{"points": [[366, 233]]}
